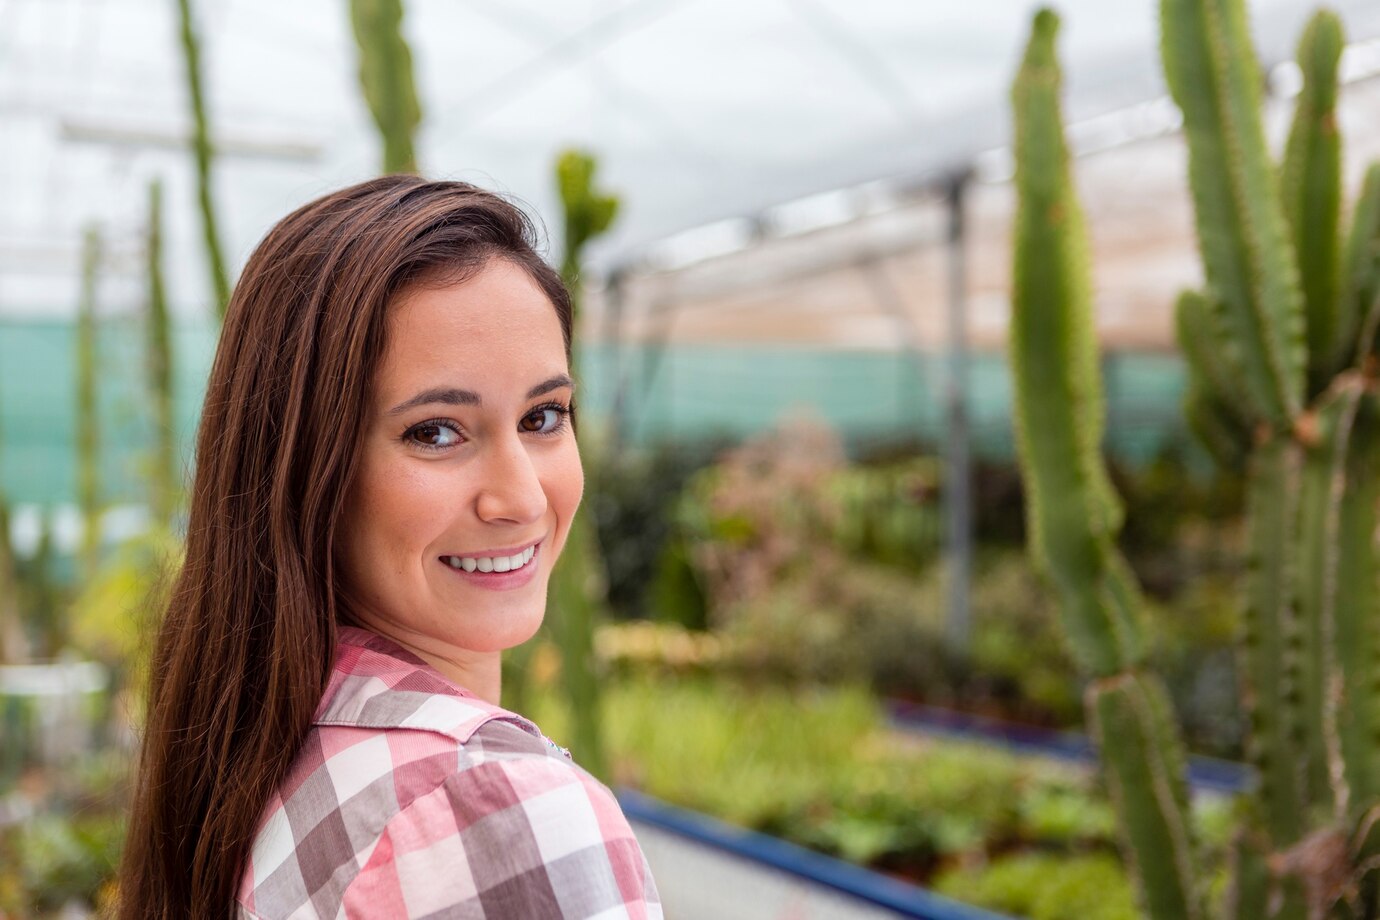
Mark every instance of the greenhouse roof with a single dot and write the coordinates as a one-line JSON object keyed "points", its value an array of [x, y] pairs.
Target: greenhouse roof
{"points": [[700, 110]]}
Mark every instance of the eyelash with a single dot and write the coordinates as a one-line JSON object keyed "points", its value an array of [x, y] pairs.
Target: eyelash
{"points": [[563, 419]]}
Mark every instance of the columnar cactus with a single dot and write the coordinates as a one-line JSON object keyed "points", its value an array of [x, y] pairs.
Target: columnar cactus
{"points": [[204, 152], [1280, 349], [87, 417], [385, 75], [578, 585], [163, 477], [1073, 511]]}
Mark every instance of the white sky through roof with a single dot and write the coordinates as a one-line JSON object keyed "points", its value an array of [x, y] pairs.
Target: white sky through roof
{"points": [[700, 110]]}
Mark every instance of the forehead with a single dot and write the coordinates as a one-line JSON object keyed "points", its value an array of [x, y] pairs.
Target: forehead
{"points": [[496, 326]]}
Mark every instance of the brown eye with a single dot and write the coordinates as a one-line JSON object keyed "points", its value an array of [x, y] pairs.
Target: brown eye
{"points": [[433, 435], [545, 420]]}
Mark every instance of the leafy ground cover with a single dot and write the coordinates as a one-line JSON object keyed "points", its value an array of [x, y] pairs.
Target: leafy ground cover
{"points": [[821, 768]]}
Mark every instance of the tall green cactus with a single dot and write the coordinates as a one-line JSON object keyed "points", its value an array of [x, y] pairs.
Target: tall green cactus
{"points": [[578, 584], [87, 417], [204, 152], [163, 479], [1073, 513], [385, 75], [1295, 407]]}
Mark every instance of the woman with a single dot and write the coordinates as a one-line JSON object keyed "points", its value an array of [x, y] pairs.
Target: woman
{"points": [[386, 472]]}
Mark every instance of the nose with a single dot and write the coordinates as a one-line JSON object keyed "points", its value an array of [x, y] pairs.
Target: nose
{"points": [[511, 489]]}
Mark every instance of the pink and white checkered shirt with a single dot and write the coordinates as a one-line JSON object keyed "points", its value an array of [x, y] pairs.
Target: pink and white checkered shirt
{"points": [[413, 798]]}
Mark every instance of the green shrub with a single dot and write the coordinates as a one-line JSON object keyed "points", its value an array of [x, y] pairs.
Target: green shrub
{"points": [[53, 859], [1043, 886]]}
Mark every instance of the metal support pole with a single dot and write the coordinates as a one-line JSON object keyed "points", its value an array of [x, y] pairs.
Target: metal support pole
{"points": [[957, 500]]}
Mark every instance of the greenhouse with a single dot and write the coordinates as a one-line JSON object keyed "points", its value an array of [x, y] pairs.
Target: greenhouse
{"points": [[974, 407]]}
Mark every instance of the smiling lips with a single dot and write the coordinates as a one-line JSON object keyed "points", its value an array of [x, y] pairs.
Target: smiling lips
{"points": [[488, 564]]}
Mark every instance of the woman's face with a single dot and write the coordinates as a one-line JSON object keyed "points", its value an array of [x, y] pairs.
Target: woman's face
{"points": [[469, 474]]}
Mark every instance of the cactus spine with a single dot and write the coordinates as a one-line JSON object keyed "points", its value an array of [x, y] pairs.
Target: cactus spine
{"points": [[1294, 406], [385, 75], [201, 145]]}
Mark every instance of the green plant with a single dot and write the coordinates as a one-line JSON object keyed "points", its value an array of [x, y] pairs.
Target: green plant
{"points": [[204, 152], [87, 415], [820, 767], [1041, 886], [588, 213], [163, 479], [1283, 386], [385, 75], [579, 584]]}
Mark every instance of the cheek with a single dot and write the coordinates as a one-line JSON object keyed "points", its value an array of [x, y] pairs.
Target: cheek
{"points": [[564, 483], [392, 511]]}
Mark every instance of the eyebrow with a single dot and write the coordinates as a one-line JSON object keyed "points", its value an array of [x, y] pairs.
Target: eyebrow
{"points": [[453, 396]]}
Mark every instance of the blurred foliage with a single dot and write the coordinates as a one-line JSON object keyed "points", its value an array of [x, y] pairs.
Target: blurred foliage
{"points": [[818, 766], [1043, 886], [68, 852], [814, 569], [633, 498], [115, 617]]}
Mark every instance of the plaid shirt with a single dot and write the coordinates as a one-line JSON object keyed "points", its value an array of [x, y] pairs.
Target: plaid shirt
{"points": [[413, 798]]}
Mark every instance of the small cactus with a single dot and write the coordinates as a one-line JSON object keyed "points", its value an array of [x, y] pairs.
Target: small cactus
{"points": [[588, 212], [1280, 351]]}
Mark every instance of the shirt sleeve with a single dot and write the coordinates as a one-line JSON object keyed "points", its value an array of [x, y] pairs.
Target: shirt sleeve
{"points": [[530, 836]]}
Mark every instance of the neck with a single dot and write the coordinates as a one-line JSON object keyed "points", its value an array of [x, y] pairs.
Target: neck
{"points": [[481, 673]]}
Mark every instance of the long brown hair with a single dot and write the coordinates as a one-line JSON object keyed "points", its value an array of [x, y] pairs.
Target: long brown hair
{"points": [[246, 645]]}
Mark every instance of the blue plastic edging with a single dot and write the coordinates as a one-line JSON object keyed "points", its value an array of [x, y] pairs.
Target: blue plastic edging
{"points": [[1205, 773], [903, 898]]}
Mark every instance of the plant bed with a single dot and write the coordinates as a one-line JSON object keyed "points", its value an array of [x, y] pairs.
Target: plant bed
{"points": [[824, 770]]}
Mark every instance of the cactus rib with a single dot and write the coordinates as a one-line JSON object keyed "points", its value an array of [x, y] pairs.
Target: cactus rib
{"points": [[1311, 184], [1269, 660], [1137, 741], [1360, 304], [1251, 272], [1353, 601]]}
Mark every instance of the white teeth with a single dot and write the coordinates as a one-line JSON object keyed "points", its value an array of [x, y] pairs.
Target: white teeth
{"points": [[491, 564]]}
